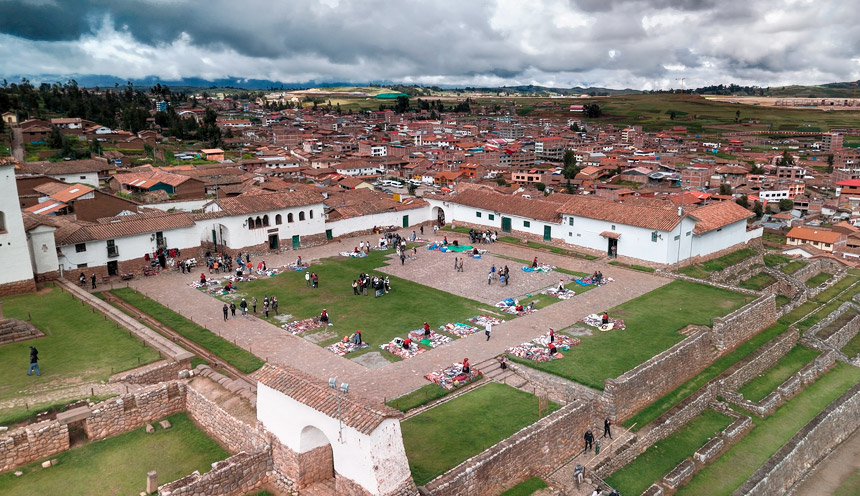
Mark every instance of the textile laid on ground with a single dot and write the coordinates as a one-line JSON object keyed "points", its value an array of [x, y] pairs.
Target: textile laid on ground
{"points": [[354, 254], [209, 282], [453, 376], [343, 347], [589, 281], [300, 326], [395, 347], [483, 320], [531, 351], [595, 320], [562, 341], [294, 266], [564, 294], [434, 340], [458, 329], [510, 306], [542, 268]]}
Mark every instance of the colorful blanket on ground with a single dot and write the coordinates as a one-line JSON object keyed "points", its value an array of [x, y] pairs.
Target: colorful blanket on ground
{"points": [[396, 349], [209, 282], [294, 266], [561, 341], [458, 329], [510, 306], [564, 294], [434, 340], [343, 347], [483, 320], [453, 376], [300, 326], [589, 280], [595, 320], [354, 254], [542, 268], [531, 351]]}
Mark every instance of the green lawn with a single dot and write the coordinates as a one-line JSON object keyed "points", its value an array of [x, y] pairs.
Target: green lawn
{"points": [[79, 345], [232, 354], [822, 298], [758, 281], [850, 486], [421, 396], [405, 308], [793, 267], [773, 238], [665, 403], [852, 348], [782, 300], [632, 266], [118, 465], [763, 385], [772, 259], [442, 437], [652, 326], [695, 271], [732, 469], [818, 279], [728, 260], [665, 455], [526, 488]]}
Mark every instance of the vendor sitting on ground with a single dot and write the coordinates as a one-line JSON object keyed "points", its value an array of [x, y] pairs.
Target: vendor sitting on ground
{"points": [[324, 316], [552, 349], [445, 241], [605, 319], [466, 368], [518, 308], [503, 362], [560, 285], [356, 337], [202, 278], [229, 286], [407, 343]]}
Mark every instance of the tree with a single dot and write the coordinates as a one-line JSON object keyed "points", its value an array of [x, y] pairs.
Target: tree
{"points": [[501, 181], [571, 169], [540, 186], [401, 104], [725, 189], [829, 162], [574, 127], [592, 110], [411, 188], [786, 204], [786, 159], [672, 114], [737, 115], [758, 210], [55, 139], [743, 201]]}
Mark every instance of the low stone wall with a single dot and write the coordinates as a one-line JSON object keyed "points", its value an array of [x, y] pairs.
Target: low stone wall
{"points": [[734, 271], [761, 360], [807, 448], [680, 474], [31, 443], [130, 411], [816, 267], [744, 323], [154, 373], [19, 287], [681, 277], [555, 388], [533, 451], [638, 388], [238, 475], [846, 333], [226, 429]]}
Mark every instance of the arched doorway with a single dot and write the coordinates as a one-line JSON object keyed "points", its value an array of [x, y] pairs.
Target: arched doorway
{"points": [[438, 214], [316, 459], [216, 235]]}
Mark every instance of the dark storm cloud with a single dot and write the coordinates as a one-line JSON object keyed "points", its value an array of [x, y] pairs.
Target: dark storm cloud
{"points": [[636, 43]]}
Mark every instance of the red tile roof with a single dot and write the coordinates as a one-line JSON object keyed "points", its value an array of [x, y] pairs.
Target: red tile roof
{"points": [[815, 235], [717, 215], [246, 204], [355, 411], [538, 209], [127, 225], [631, 214]]}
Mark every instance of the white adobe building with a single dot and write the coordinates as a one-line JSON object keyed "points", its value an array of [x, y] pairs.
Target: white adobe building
{"points": [[17, 273]]}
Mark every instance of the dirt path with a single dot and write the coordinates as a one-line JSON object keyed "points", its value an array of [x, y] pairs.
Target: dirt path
{"points": [[831, 472]]}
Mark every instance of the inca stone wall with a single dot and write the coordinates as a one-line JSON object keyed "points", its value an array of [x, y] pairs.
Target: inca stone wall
{"points": [[31, 443], [808, 447], [761, 360], [13, 288], [229, 431], [744, 323], [238, 475], [130, 411], [557, 389], [13, 330], [533, 451], [162, 371]]}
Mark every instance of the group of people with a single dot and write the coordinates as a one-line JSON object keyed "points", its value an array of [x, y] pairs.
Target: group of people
{"points": [[83, 280], [312, 279], [381, 285], [597, 279], [270, 303], [483, 236], [504, 275]]}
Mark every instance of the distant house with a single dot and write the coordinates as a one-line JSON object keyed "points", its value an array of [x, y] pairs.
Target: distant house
{"points": [[828, 241], [182, 187], [214, 154]]}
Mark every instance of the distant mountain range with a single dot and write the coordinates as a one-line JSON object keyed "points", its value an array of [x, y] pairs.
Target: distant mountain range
{"points": [[832, 90]]}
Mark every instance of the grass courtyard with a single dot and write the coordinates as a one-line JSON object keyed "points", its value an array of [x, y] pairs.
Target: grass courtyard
{"points": [[664, 455], [763, 385], [405, 308], [118, 465], [652, 327], [446, 435], [79, 346], [735, 466]]}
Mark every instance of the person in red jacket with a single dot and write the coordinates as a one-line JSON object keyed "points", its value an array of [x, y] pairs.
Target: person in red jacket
{"points": [[551, 335], [466, 368], [426, 330]]}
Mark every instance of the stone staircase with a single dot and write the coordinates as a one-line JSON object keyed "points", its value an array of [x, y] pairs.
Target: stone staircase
{"points": [[562, 478], [12, 330]]}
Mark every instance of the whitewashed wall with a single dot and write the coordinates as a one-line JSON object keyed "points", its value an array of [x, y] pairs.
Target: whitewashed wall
{"points": [[14, 252]]}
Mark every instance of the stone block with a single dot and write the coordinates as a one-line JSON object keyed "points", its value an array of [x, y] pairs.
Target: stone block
{"points": [[654, 490], [150, 429], [737, 429], [3, 428], [73, 415], [54, 462], [18, 473], [165, 424], [709, 450], [46, 463], [679, 474], [151, 481]]}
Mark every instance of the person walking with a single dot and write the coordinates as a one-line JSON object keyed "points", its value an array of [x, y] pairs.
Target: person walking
{"points": [[266, 308], [83, 279], [456, 267], [316, 280], [34, 361], [460, 267], [274, 301], [233, 310], [308, 279], [402, 258], [355, 287], [489, 278], [225, 309], [589, 440], [488, 330], [607, 424], [254, 305], [93, 280], [244, 306]]}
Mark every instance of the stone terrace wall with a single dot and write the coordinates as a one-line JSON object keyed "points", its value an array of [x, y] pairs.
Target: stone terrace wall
{"points": [[761, 360], [841, 337], [13, 288], [737, 269], [130, 411], [238, 475], [744, 323], [557, 389], [808, 447], [31, 443], [816, 267], [638, 388], [533, 451], [154, 373], [229, 431]]}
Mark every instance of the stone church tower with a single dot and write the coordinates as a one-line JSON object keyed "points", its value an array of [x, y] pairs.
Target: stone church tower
{"points": [[16, 268]]}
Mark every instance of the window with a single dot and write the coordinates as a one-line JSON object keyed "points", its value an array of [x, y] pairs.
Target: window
{"points": [[83, 177], [289, 217], [654, 237], [311, 213], [527, 223], [80, 247], [82, 266], [677, 237], [827, 245], [265, 220], [278, 220], [250, 222], [258, 222], [569, 234], [613, 227], [570, 221], [491, 216], [478, 214], [112, 249], [302, 215], [688, 233], [2, 222]]}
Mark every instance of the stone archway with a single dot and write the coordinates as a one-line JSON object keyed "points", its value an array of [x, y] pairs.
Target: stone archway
{"points": [[218, 234], [315, 457], [438, 215]]}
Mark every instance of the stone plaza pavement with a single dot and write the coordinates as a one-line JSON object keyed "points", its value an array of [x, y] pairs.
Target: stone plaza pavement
{"points": [[276, 346]]}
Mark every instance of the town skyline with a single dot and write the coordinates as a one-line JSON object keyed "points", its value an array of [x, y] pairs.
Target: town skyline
{"points": [[640, 45]]}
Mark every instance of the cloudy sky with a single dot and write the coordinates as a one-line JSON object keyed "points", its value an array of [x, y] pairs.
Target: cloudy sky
{"points": [[640, 44]]}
